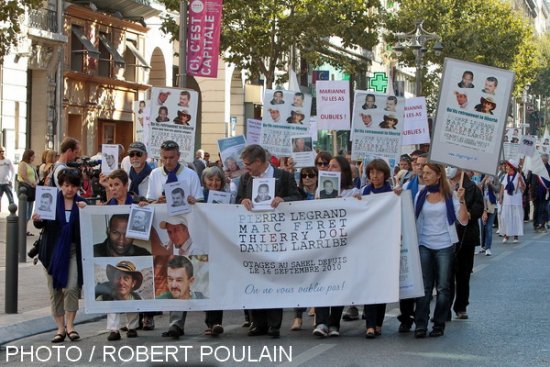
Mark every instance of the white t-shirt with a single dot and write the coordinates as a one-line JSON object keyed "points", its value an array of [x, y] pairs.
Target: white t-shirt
{"points": [[6, 171], [190, 179]]}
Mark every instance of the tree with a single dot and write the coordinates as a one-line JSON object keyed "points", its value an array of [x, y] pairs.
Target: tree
{"points": [[11, 16], [257, 35], [488, 32]]}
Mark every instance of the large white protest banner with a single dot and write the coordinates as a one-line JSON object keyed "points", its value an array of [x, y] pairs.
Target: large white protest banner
{"points": [[376, 126], [411, 284], [415, 128], [307, 253], [285, 114], [173, 117], [333, 101], [471, 115]]}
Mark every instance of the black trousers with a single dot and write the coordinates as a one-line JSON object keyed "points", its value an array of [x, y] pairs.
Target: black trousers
{"points": [[374, 314], [406, 306], [213, 318], [271, 317], [460, 288], [329, 316]]}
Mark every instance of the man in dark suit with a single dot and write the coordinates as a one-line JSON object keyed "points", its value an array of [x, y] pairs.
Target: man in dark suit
{"points": [[256, 164]]}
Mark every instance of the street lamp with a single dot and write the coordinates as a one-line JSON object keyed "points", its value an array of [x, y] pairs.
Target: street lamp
{"points": [[416, 40], [524, 99]]}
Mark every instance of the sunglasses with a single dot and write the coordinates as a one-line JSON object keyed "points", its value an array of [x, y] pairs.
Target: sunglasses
{"points": [[309, 175], [169, 145], [135, 154], [323, 163]]}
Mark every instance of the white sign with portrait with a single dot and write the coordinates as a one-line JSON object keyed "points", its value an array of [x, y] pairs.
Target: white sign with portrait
{"points": [[219, 197], [302, 150], [109, 158], [329, 185], [139, 224], [263, 193], [46, 202], [176, 198]]}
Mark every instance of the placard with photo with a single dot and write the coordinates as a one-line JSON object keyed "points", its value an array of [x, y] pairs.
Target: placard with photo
{"points": [[176, 198], [263, 193], [302, 150], [329, 185], [139, 225], [109, 158], [219, 197], [46, 202]]}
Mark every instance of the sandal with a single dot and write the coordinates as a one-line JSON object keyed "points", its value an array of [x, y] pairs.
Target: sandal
{"points": [[217, 330], [73, 335], [208, 332], [59, 338]]}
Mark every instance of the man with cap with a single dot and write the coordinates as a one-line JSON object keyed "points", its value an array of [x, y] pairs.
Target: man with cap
{"points": [[182, 245], [486, 105], [180, 241], [180, 277], [135, 164], [124, 280], [172, 171]]}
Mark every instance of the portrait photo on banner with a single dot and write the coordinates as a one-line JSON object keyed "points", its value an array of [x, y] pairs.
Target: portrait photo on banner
{"points": [[329, 185], [263, 193], [176, 198]]}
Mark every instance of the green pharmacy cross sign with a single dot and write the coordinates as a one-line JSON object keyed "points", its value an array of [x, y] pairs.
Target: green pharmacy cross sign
{"points": [[379, 82]]}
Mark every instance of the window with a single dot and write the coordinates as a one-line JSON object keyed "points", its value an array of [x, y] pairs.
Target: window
{"points": [[80, 47], [107, 56]]}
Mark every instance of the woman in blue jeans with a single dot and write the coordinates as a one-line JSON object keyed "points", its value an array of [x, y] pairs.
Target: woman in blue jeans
{"points": [[437, 210]]}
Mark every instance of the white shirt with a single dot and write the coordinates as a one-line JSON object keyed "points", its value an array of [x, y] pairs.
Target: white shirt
{"points": [[6, 171], [190, 179], [432, 226]]}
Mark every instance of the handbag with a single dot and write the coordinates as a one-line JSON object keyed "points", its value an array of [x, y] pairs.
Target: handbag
{"points": [[31, 191]]}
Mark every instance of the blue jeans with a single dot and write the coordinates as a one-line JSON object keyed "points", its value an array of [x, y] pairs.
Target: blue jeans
{"points": [[487, 231], [6, 188], [437, 269]]}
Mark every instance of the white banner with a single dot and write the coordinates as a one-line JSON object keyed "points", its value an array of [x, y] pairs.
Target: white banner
{"points": [[471, 116], [415, 130], [174, 117], [333, 101], [307, 253], [411, 284]]}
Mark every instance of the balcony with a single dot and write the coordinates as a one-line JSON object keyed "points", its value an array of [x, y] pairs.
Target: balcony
{"points": [[42, 25]]}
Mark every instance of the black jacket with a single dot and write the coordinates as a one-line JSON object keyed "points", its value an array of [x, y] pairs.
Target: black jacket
{"points": [[285, 186], [469, 235]]}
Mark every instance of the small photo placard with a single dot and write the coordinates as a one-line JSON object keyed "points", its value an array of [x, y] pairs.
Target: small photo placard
{"points": [[219, 197], [109, 158], [176, 198], [141, 219], [329, 185], [263, 193], [302, 150], [46, 202]]}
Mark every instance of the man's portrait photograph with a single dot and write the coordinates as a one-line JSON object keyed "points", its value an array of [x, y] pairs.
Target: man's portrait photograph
{"points": [[46, 202], [141, 219]]}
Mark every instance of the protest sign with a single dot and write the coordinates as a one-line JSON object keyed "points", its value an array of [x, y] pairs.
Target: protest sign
{"points": [[230, 151], [471, 116], [376, 126], [253, 131], [173, 117], [415, 128], [333, 101]]}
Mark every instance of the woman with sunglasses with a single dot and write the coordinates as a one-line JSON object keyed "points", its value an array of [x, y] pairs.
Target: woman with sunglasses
{"points": [[322, 160], [308, 187], [60, 254]]}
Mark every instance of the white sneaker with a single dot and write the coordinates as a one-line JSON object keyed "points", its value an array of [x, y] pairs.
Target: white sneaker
{"points": [[488, 252], [505, 239], [515, 240], [321, 330], [333, 331]]}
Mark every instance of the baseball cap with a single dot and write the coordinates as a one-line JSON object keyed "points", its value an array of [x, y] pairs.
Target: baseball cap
{"points": [[137, 146], [174, 221]]}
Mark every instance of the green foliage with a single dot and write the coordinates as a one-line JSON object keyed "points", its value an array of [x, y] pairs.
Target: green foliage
{"points": [[257, 35], [488, 32], [11, 12]]}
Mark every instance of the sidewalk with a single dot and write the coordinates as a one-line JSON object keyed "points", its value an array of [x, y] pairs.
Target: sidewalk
{"points": [[33, 302]]}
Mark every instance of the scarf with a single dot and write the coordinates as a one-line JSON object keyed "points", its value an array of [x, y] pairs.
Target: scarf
{"points": [[369, 189], [129, 200], [137, 178], [510, 184], [451, 216], [59, 264], [491, 195], [172, 175], [205, 192]]}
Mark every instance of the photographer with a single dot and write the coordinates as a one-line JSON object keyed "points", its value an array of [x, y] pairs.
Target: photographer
{"points": [[70, 149]]}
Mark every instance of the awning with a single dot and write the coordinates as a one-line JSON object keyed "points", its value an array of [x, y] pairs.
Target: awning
{"points": [[138, 56], [92, 51], [119, 60]]}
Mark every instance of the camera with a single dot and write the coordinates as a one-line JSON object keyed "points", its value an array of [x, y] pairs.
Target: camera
{"points": [[33, 252], [88, 168]]}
